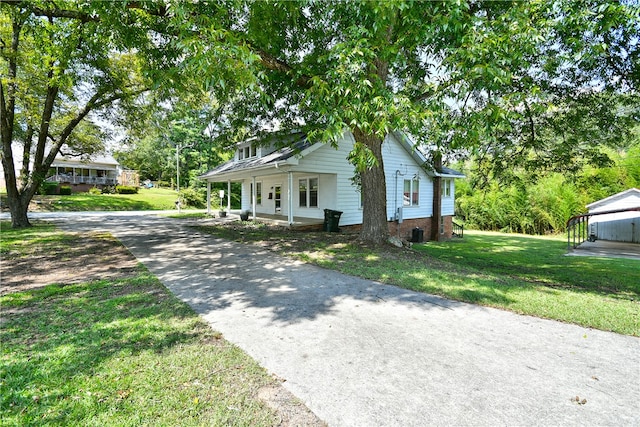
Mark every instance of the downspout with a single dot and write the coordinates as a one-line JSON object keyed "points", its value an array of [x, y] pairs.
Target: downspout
{"points": [[290, 197], [395, 202]]}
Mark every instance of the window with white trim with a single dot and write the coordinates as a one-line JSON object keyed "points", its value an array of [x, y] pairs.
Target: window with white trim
{"points": [[258, 192], [446, 188], [411, 192], [308, 192], [247, 152]]}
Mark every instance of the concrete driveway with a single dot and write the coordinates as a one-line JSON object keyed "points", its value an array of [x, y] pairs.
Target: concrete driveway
{"points": [[359, 353]]}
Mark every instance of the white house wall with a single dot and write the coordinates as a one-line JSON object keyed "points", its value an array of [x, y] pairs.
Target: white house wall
{"points": [[335, 188], [448, 203]]}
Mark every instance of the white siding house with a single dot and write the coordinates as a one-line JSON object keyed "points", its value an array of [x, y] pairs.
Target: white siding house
{"points": [[303, 181], [616, 217], [77, 172]]}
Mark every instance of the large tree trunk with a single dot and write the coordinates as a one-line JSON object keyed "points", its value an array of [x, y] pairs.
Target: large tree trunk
{"points": [[18, 206], [374, 192]]}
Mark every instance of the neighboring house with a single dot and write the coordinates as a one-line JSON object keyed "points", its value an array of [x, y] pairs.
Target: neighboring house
{"points": [[98, 171], [299, 182], [616, 217]]}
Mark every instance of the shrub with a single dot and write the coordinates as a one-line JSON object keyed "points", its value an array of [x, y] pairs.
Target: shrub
{"points": [[163, 184], [65, 190], [194, 198], [48, 188], [126, 189], [108, 189], [95, 190]]}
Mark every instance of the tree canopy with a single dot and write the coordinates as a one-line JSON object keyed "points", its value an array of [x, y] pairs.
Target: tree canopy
{"points": [[533, 83], [502, 80]]}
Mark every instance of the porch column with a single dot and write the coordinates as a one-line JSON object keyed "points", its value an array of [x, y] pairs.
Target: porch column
{"points": [[208, 197], [229, 196], [290, 197], [253, 197], [437, 198]]}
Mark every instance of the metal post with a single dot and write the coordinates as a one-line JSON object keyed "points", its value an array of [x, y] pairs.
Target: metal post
{"points": [[208, 197], [253, 197], [178, 168], [290, 197]]}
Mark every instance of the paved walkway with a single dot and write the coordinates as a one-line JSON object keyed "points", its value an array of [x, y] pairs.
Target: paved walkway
{"points": [[359, 353]]}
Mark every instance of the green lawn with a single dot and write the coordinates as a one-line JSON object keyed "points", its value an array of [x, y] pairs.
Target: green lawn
{"points": [[532, 275], [524, 274], [116, 352], [146, 199]]}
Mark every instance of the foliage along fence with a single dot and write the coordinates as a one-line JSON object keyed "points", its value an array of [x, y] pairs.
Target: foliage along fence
{"points": [[538, 208]]}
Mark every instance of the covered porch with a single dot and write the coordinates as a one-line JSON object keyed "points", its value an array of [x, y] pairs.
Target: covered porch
{"points": [[287, 198], [299, 223]]}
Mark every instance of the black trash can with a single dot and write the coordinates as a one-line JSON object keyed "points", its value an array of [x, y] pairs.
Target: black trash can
{"points": [[331, 220], [417, 235]]}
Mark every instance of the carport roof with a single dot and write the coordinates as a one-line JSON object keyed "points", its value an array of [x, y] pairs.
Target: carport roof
{"points": [[606, 201]]}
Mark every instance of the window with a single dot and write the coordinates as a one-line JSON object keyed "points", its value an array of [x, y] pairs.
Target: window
{"points": [[308, 192], [446, 188], [313, 192], [258, 192], [247, 152], [411, 194], [302, 190]]}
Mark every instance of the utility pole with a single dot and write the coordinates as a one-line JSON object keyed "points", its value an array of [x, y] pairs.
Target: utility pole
{"points": [[178, 148]]}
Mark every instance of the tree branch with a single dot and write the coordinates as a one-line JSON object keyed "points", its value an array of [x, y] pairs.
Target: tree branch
{"points": [[52, 13]]}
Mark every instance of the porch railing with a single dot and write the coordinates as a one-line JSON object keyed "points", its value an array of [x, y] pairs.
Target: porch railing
{"points": [[95, 180], [577, 230], [458, 229]]}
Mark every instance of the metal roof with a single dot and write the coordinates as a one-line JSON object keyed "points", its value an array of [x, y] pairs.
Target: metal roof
{"points": [[296, 143]]}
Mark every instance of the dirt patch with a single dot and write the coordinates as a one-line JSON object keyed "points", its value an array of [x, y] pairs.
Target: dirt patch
{"points": [[291, 411], [83, 258]]}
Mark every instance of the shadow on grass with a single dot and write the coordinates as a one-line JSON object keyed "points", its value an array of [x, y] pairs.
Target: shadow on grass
{"points": [[540, 261], [56, 334], [90, 202]]}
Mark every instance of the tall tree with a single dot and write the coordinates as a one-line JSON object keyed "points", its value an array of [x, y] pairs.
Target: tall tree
{"points": [[467, 75], [64, 61], [151, 145], [59, 67], [368, 67]]}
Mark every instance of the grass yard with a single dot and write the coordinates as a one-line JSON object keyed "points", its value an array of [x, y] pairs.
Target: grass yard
{"points": [[122, 351], [524, 274], [146, 199]]}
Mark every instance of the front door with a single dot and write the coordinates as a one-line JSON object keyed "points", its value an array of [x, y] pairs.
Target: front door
{"points": [[277, 198]]}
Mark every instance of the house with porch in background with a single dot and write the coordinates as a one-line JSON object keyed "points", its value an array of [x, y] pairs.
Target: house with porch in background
{"points": [[297, 183], [81, 173], [99, 170]]}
